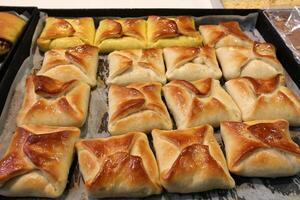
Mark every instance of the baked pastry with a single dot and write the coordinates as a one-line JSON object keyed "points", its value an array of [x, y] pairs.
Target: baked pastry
{"points": [[172, 31], [190, 160], [37, 161], [258, 61], [265, 99], [137, 107], [61, 33], [224, 34], [132, 66], [199, 102], [51, 102], [118, 166], [191, 63], [119, 34], [267, 149], [80, 62], [11, 27]]}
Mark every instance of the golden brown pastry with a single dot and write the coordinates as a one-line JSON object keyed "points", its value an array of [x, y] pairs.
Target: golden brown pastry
{"points": [[172, 31], [136, 66], [52, 102], [61, 33], [260, 148], [137, 107], [260, 99], [257, 61], [11, 27], [199, 102], [191, 63], [118, 166], [190, 160], [119, 34], [80, 63], [224, 34], [37, 161]]}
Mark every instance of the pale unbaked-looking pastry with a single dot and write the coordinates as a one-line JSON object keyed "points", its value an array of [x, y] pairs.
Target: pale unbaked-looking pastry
{"points": [[136, 66], [199, 102], [262, 148], [258, 61], [118, 166], [224, 34], [80, 63], [191, 63], [172, 31], [52, 102], [61, 33], [190, 160], [37, 161], [260, 99], [118, 34], [137, 107]]}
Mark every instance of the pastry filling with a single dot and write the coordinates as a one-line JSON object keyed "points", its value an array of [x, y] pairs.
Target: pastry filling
{"points": [[4, 46]]}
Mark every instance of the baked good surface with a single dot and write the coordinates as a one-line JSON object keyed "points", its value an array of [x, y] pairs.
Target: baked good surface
{"points": [[60, 33], [52, 102], [137, 107], [118, 166], [199, 102], [37, 161], [80, 63], [258, 61], [172, 31], [119, 34], [267, 150], [190, 160], [260, 99], [224, 34], [191, 63], [136, 66]]}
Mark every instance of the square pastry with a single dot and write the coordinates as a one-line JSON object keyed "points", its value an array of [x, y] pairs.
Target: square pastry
{"points": [[199, 102], [190, 160], [118, 166], [172, 31], [80, 63], [257, 61], [52, 102], [37, 161], [136, 66], [63, 33], [265, 99], [224, 34], [137, 107], [119, 34], [267, 149], [191, 63]]}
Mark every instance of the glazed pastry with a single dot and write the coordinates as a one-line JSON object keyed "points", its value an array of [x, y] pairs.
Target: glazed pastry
{"points": [[224, 34], [265, 99], [190, 160], [80, 63], [133, 66], [199, 102], [267, 150], [119, 34], [11, 27], [52, 102], [61, 33], [37, 161], [118, 166], [172, 31], [137, 107], [258, 61], [191, 63]]}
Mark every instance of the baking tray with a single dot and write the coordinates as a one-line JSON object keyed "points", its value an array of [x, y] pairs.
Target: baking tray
{"points": [[287, 188]]}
